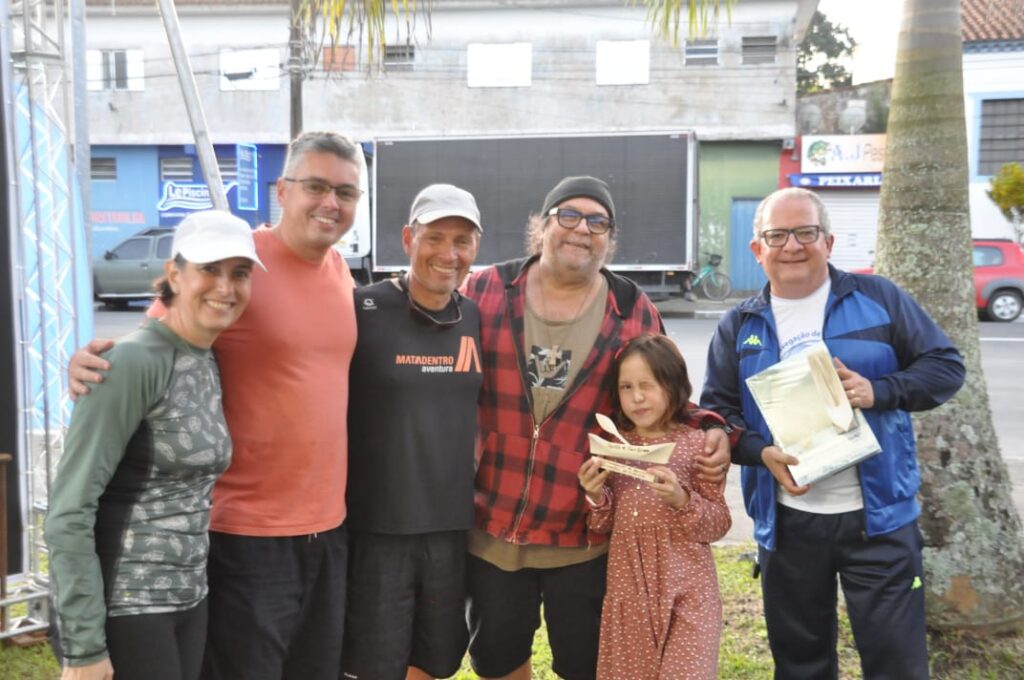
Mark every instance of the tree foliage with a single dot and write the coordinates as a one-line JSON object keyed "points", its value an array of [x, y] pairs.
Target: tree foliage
{"points": [[817, 61], [1007, 192]]}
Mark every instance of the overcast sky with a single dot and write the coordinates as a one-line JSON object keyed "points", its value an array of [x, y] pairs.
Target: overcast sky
{"points": [[875, 25]]}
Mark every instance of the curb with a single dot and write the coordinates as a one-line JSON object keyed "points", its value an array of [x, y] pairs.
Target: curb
{"points": [[678, 308], [691, 313]]}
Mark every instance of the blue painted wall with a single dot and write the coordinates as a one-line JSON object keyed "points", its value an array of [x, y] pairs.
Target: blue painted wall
{"points": [[129, 204]]}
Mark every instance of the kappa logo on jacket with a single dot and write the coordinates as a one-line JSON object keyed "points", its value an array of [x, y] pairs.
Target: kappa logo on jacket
{"points": [[752, 341], [467, 360]]}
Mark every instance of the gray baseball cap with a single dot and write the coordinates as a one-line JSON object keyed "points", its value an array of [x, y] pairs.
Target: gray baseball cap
{"points": [[438, 201]]}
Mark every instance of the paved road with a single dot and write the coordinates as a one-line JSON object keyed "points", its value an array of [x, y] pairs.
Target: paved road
{"points": [[1002, 354]]}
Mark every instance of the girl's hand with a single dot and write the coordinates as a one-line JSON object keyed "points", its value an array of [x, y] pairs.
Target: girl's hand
{"points": [[101, 670], [667, 487], [592, 479]]}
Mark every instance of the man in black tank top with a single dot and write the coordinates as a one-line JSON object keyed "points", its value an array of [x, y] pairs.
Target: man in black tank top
{"points": [[414, 383]]}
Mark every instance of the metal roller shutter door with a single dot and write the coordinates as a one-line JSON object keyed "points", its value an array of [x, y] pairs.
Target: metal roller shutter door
{"points": [[275, 207], [854, 218]]}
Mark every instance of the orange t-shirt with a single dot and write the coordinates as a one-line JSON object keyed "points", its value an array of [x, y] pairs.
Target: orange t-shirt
{"points": [[284, 370]]}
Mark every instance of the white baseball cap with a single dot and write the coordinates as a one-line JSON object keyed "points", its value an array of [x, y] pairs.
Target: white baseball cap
{"points": [[212, 235], [438, 201]]}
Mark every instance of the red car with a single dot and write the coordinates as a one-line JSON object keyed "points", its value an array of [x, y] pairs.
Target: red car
{"points": [[998, 278]]}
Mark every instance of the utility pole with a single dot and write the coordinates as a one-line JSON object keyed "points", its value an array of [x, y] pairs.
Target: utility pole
{"points": [[190, 93], [83, 160], [295, 69]]}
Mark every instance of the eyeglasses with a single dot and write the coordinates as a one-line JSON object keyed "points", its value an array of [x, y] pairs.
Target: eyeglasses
{"points": [[426, 314], [776, 238], [346, 193], [570, 219]]}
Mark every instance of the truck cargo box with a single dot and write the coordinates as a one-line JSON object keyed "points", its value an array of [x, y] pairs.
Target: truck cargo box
{"points": [[652, 177]]}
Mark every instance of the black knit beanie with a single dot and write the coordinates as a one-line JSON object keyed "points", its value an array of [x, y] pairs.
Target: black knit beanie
{"points": [[575, 187]]}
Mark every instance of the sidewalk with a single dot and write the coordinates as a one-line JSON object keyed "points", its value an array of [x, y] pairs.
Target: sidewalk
{"points": [[678, 308]]}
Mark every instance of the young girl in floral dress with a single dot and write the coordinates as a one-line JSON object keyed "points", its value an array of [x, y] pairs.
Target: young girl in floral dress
{"points": [[662, 617]]}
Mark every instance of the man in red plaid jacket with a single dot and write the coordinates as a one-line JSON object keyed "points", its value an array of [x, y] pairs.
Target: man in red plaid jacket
{"points": [[550, 327]]}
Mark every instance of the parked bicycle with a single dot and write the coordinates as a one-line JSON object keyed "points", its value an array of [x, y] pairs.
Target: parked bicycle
{"points": [[712, 284]]}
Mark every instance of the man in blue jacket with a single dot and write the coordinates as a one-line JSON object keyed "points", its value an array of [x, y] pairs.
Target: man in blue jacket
{"points": [[859, 524]]}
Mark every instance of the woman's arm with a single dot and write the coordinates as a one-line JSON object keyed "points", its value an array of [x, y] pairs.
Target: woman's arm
{"points": [[101, 427]]}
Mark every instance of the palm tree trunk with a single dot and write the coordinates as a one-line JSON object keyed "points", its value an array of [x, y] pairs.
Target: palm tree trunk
{"points": [[974, 548]]}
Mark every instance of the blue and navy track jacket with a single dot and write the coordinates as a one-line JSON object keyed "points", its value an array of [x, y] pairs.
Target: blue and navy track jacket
{"points": [[878, 331]]}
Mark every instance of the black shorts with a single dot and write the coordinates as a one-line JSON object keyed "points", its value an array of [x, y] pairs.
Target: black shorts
{"points": [[277, 606], [406, 605], [504, 614]]}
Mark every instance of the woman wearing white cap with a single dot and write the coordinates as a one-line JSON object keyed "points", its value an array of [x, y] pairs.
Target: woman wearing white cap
{"points": [[130, 507]]}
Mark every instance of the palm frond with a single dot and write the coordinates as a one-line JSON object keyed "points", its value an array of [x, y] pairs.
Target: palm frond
{"points": [[358, 23], [701, 16]]}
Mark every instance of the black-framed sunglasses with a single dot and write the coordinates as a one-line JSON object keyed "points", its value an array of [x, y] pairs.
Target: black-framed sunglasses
{"points": [[776, 238], [569, 219], [346, 193], [426, 314]]}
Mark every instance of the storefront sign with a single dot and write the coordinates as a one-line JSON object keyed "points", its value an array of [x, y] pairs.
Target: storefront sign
{"points": [[868, 179], [118, 217], [187, 195], [245, 165], [842, 153]]}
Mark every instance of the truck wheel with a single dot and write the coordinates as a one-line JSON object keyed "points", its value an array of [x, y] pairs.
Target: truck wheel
{"points": [[1004, 305], [716, 286]]}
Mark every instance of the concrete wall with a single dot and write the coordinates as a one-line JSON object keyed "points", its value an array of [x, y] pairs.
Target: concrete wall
{"points": [[727, 101], [988, 75], [156, 115], [820, 113]]}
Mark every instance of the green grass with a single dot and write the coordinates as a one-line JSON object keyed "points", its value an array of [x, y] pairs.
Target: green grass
{"points": [[29, 663], [744, 653]]}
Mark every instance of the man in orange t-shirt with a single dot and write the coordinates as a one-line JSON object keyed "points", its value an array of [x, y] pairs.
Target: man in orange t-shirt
{"points": [[278, 543]]}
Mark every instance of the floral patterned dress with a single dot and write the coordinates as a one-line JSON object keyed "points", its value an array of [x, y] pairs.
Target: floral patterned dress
{"points": [[662, 617]]}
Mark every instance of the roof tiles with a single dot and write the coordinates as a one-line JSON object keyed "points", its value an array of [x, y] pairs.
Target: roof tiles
{"points": [[984, 20]]}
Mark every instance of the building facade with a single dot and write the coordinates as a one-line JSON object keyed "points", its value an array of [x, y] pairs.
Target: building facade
{"points": [[475, 67], [839, 150], [993, 33]]}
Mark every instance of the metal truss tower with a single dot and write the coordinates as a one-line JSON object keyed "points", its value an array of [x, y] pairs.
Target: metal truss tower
{"points": [[50, 274]]}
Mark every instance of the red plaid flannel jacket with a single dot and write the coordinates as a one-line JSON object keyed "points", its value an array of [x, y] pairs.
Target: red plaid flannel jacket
{"points": [[526, 485]]}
